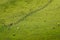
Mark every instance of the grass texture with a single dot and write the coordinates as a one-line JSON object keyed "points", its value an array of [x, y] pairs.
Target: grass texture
{"points": [[29, 19]]}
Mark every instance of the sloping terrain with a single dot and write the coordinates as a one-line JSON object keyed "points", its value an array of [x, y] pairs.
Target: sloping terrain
{"points": [[29, 19]]}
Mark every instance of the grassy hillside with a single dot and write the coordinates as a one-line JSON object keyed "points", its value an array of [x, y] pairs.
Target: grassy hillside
{"points": [[29, 19]]}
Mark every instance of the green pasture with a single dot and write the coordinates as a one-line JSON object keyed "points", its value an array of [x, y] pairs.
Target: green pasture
{"points": [[29, 19]]}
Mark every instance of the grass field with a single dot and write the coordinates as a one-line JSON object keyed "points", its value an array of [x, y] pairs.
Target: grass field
{"points": [[29, 19]]}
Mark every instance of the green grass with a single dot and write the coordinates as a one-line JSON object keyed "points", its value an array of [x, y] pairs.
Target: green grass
{"points": [[30, 20]]}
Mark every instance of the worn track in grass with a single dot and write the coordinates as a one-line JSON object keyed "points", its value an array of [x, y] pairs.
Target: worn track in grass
{"points": [[32, 12], [28, 14]]}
